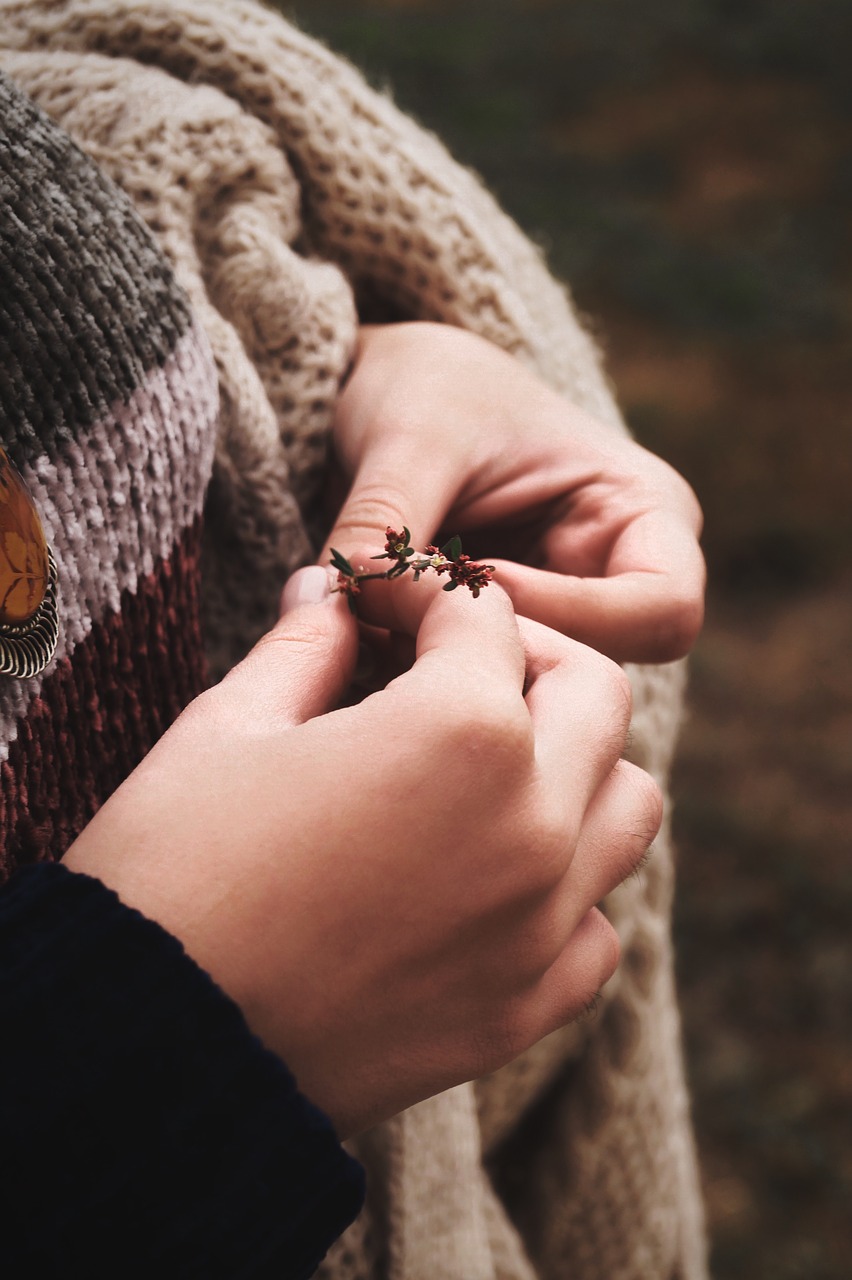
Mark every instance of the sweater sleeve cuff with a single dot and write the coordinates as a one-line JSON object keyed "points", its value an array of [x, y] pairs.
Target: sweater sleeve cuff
{"points": [[145, 1125]]}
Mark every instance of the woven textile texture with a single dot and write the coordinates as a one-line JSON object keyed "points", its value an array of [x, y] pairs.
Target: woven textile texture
{"points": [[132, 1092], [292, 200], [116, 450]]}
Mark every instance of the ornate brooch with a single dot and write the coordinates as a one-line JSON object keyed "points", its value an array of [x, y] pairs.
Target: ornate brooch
{"points": [[29, 626]]}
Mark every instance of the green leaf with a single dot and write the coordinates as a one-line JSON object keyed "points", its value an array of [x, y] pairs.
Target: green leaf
{"points": [[450, 586], [341, 563], [452, 549], [406, 533]]}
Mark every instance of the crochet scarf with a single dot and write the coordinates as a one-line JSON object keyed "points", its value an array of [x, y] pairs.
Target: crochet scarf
{"points": [[291, 201]]}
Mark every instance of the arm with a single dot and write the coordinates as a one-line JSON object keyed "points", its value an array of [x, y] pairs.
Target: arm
{"points": [[143, 1126], [398, 896]]}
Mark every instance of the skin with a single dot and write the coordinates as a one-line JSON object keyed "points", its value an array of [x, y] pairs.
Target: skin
{"points": [[400, 894], [441, 431]]}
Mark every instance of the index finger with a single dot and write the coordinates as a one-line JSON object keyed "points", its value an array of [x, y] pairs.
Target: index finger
{"points": [[580, 703], [648, 608], [459, 640]]}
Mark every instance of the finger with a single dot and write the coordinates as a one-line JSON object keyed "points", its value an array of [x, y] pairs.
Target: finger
{"points": [[580, 704], [463, 644], [471, 640], [399, 604], [648, 608], [572, 983], [398, 484], [301, 668], [619, 827]]}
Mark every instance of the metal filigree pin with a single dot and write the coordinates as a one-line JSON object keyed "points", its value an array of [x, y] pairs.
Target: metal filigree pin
{"points": [[29, 625]]}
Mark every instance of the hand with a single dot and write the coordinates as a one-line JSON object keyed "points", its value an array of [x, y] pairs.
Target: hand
{"points": [[444, 432], [400, 895]]}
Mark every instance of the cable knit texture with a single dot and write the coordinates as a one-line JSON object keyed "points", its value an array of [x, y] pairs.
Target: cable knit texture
{"points": [[291, 199]]}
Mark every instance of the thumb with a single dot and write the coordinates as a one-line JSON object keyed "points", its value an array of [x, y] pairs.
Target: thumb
{"points": [[301, 668], [394, 486]]}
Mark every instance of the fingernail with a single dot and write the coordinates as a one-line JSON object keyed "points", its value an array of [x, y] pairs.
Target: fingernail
{"points": [[310, 585]]}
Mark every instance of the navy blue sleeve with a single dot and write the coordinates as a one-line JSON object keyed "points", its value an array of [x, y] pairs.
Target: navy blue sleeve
{"points": [[143, 1129]]}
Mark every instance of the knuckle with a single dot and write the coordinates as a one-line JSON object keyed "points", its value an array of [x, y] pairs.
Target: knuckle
{"points": [[284, 659], [528, 948], [676, 491], [550, 843], [690, 501], [612, 684], [502, 1040], [541, 949], [371, 508], [286, 649], [645, 810], [683, 625], [555, 996], [620, 692], [605, 955], [615, 696], [648, 798], [218, 714], [283, 638], [205, 710], [493, 728], [608, 947]]}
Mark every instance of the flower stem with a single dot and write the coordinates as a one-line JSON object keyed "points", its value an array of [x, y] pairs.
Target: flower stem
{"points": [[449, 559]]}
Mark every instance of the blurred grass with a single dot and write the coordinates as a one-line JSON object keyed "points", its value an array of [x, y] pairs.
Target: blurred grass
{"points": [[687, 165]]}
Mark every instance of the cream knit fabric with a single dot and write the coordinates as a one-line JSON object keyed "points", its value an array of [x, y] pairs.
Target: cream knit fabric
{"points": [[291, 199]]}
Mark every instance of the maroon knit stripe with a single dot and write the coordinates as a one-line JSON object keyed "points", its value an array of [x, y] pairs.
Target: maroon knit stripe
{"points": [[102, 709]]}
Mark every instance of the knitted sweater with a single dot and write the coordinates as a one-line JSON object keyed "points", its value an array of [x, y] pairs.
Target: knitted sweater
{"points": [[291, 200], [132, 1095]]}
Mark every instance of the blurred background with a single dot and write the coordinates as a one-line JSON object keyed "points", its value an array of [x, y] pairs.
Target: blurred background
{"points": [[687, 166]]}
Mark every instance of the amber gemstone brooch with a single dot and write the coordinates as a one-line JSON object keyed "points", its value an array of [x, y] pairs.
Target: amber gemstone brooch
{"points": [[29, 627]]}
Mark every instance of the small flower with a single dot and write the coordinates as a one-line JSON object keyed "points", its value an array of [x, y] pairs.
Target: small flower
{"points": [[449, 559], [397, 546], [431, 558], [396, 542], [465, 572], [348, 585]]}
